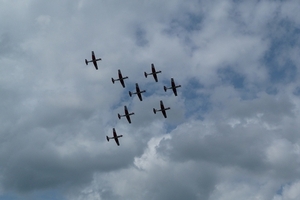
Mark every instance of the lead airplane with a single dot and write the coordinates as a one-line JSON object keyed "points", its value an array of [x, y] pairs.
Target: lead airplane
{"points": [[138, 92], [154, 72], [121, 79], [115, 136], [162, 109], [173, 87], [94, 60], [127, 115]]}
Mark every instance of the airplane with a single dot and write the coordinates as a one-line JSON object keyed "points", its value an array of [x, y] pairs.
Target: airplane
{"points": [[94, 60], [138, 92], [121, 79], [154, 72], [173, 87], [115, 136], [127, 114], [162, 109]]}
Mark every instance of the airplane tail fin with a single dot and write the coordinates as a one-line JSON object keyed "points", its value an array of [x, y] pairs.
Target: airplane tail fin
{"points": [[130, 94], [113, 80], [145, 74], [154, 110], [107, 138], [86, 62], [119, 116], [165, 88]]}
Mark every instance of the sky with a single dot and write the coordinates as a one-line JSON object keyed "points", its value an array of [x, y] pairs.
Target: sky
{"points": [[231, 133]]}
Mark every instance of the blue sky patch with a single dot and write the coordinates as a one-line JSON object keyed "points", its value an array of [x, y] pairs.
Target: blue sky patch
{"points": [[196, 103], [280, 67], [229, 76]]}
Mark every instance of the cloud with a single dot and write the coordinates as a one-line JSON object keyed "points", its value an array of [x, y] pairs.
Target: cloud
{"points": [[232, 131], [289, 192]]}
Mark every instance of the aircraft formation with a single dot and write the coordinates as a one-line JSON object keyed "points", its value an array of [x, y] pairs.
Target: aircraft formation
{"points": [[138, 92]]}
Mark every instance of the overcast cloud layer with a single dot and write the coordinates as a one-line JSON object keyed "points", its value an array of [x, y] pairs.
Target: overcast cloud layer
{"points": [[231, 133]]}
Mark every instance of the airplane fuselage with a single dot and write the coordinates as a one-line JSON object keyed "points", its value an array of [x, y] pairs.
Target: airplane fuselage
{"points": [[138, 92], [94, 60], [153, 72], [162, 109], [120, 78], [115, 136], [174, 86], [127, 115]]}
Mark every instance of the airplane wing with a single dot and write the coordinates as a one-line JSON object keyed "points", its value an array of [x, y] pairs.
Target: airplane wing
{"points": [[172, 82], [153, 72], [128, 118], [115, 136], [164, 113], [155, 77], [173, 85], [122, 83], [117, 141], [114, 132], [175, 91], [127, 114], [140, 96], [138, 92], [162, 108], [121, 79], [95, 64]]}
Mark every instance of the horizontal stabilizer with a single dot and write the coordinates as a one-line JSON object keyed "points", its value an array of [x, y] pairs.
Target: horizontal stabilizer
{"points": [[119, 116], [130, 94], [113, 80], [86, 62], [154, 110], [165, 88], [107, 138], [145, 74]]}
